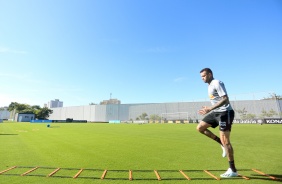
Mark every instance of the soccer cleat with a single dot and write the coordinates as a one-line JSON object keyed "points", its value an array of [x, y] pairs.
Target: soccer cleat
{"points": [[229, 173], [223, 151]]}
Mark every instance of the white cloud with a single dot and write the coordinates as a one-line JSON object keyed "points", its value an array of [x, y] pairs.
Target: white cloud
{"points": [[179, 79], [13, 51]]}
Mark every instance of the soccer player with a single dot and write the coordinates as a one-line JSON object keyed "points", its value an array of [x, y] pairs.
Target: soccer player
{"points": [[220, 113]]}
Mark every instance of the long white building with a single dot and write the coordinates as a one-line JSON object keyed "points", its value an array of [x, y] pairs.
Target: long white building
{"points": [[173, 111]]}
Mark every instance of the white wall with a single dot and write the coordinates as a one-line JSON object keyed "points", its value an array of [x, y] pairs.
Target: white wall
{"points": [[4, 114], [124, 112]]}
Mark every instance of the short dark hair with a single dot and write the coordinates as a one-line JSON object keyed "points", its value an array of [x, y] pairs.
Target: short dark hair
{"points": [[208, 70]]}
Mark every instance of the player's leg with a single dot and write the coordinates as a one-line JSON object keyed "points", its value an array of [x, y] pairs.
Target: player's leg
{"points": [[225, 130], [210, 120], [225, 139], [203, 128]]}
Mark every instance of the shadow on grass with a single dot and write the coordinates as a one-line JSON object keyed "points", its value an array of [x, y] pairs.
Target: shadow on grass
{"points": [[279, 176], [53, 127], [266, 178], [8, 134]]}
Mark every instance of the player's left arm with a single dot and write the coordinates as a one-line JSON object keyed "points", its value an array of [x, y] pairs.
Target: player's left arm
{"points": [[220, 88], [224, 100]]}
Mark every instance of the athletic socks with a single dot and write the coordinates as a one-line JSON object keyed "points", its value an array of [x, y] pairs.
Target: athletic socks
{"points": [[232, 166], [231, 163], [217, 139]]}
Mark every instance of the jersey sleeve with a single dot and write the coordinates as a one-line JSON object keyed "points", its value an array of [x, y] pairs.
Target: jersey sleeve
{"points": [[220, 88]]}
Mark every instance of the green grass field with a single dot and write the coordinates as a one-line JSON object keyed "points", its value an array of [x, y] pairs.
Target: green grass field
{"points": [[119, 148]]}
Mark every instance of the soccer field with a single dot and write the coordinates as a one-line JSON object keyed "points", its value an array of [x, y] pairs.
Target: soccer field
{"points": [[86, 150]]}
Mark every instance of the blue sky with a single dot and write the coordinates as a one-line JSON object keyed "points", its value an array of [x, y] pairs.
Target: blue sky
{"points": [[141, 51]]}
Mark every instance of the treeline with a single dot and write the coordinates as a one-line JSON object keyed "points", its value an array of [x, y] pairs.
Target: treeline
{"points": [[40, 113]]}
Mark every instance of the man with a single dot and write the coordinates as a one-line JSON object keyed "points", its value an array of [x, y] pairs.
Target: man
{"points": [[220, 113]]}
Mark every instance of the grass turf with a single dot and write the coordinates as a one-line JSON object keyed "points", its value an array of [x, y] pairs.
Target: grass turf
{"points": [[119, 148]]}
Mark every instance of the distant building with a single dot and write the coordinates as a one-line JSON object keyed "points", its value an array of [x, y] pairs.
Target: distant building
{"points": [[4, 113], [111, 101], [24, 117], [55, 103]]}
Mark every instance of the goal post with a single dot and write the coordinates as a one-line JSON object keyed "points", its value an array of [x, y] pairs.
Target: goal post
{"points": [[176, 116]]}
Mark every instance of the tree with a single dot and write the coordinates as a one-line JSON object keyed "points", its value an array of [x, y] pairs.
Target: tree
{"points": [[155, 117], [12, 106], [40, 113], [143, 116], [28, 110], [21, 108], [273, 96], [273, 112], [36, 107], [43, 113], [270, 113], [243, 113], [250, 116]]}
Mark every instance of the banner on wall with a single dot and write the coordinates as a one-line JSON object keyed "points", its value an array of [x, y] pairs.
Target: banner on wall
{"points": [[248, 121], [259, 121], [273, 121], [114, 121]]}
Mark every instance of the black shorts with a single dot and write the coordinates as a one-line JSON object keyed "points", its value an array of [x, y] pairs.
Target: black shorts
{"points": [[223, 119]]}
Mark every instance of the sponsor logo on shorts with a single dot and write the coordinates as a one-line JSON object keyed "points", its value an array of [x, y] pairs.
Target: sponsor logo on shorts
{"points": [[222, 124]]}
